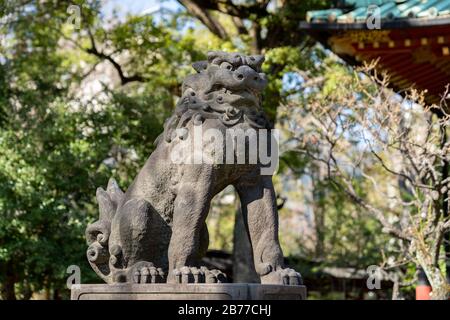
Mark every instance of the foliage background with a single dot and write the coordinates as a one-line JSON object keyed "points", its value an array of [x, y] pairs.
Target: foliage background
{"points": [[79, 105]]}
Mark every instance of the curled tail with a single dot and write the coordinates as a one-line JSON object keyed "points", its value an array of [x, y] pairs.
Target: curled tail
{"points": [[97, 233]]}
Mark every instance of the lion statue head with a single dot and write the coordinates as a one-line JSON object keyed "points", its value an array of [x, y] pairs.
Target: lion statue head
{"points": [[227, 87]]}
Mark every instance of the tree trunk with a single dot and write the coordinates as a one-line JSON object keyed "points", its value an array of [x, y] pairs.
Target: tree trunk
{"points": [[445, 205], [27, 292], [8, 289], [243, 265], [318, 193], [440, 290], [319, 221], [8, 292]]}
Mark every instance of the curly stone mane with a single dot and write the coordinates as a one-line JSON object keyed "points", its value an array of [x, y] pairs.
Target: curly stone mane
{"points": [[230, 103]]}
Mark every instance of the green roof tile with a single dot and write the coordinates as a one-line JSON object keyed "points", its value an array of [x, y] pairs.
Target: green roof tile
{"points": [[351, 11]]}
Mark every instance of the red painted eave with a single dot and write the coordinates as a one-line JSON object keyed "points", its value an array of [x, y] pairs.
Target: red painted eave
{"points": [[415, 52]]}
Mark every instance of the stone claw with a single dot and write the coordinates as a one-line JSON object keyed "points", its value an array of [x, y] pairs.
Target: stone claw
{"points": [[197, 275], [295, 278], [153, 275], [137, 276], [146, 272], [284, 276]]}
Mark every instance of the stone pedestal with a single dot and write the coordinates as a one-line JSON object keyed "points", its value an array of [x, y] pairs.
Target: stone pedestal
{"points": [[222, 291]]}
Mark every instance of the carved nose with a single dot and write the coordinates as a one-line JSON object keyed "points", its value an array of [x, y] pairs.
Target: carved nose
{"points": [[250, 77]]}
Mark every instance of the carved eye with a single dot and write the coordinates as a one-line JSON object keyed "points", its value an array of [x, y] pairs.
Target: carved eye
{"points": [[226, 65]]}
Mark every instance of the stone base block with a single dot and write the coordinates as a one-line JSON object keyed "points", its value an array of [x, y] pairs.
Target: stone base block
{"points": [[221, 291]]}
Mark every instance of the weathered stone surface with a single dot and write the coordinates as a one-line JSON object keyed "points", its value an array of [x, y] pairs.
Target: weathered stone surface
{"points": [[222, 291], [155, 231]]}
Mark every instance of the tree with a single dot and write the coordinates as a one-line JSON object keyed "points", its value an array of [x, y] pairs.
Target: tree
{"points": [[59, 142], [366, 137]]}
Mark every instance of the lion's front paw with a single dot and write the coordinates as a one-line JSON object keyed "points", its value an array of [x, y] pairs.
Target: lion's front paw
{"points": [[214, 275], [282, 276], [146, 272], [197, 275]]}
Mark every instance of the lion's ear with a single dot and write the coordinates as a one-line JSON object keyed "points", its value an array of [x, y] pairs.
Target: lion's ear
{"points": [[256, 61], [200, 66]]}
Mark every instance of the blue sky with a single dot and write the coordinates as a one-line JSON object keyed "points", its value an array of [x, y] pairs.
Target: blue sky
{"points": [[124, 7]]}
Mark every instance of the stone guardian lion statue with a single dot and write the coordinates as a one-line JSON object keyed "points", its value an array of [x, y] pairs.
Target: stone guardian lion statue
{"points": [[155, 231]]}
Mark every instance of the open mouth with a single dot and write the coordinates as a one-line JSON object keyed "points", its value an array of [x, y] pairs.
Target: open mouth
{"points": [[243, 97]]}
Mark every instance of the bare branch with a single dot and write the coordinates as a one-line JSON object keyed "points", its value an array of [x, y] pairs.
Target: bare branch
{"points": [[258, 9], [197, 9], [123, 78]]}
